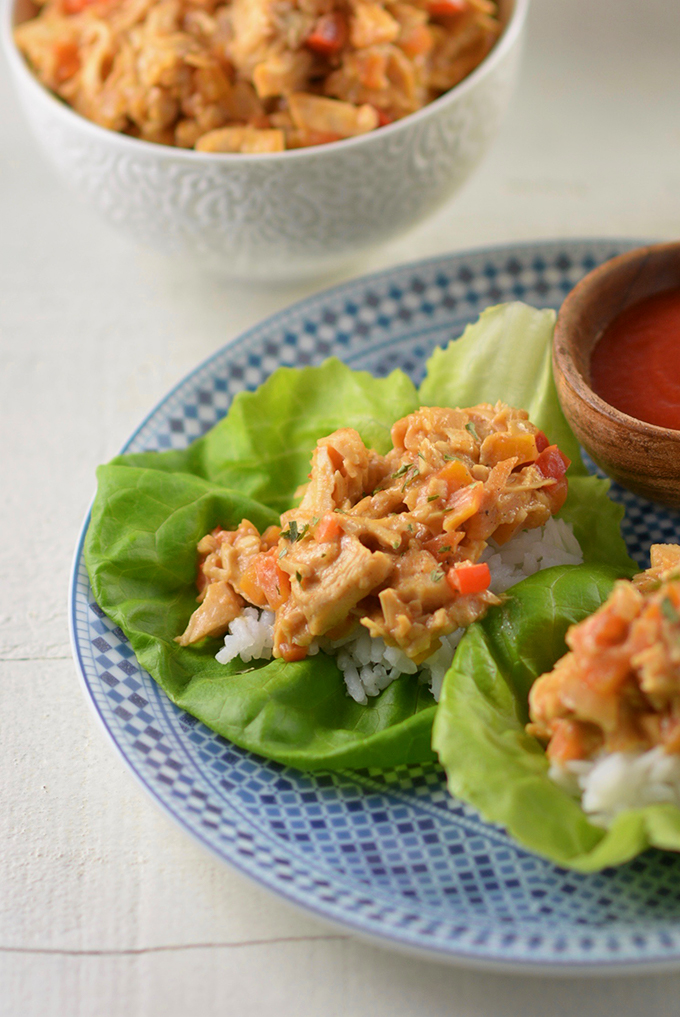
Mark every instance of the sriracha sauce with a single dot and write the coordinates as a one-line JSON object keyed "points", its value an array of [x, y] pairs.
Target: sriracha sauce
{"points": [[635, 366]]}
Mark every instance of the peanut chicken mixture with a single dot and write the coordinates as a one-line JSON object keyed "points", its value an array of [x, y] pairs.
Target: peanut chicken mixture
{"points": [[253, 75], [618, 689], [392, 542]]}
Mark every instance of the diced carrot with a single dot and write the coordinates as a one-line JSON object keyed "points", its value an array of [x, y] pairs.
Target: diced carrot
{"points": [[447, 8], [271, 535], [416, 41], [455, 475], [250, 586], [469, 579], [569, 741], [67, 61], [553, 463], [498, 447], [274, 582], [291, 651], [463, 505], [329, 528], [329, 34], [264, 582]]}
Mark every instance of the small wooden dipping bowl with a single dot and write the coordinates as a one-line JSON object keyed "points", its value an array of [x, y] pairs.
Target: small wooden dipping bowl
{"points": [[642, 457]]}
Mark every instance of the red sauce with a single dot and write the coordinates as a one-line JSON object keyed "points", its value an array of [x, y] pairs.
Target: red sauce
{"points": [[636, 364]]}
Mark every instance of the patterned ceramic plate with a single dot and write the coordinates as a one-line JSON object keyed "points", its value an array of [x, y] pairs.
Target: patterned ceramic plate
{"points": [[387, 854]]}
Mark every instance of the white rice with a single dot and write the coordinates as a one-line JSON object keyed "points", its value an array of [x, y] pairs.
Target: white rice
{"points": [[532, 551], [368, 664], [616, 781]]}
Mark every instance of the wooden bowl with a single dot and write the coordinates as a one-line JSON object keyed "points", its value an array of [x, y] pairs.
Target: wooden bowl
{"points": [[642, 457]]}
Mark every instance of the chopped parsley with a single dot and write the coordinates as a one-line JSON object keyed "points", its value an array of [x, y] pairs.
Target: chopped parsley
{"points": [[298, 577], [470, 427], [293, 534], [402, 470], [433, 497], [409, 480], [436, 575]]}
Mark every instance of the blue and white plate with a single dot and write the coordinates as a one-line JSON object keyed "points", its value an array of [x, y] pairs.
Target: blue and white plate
{"points": [[386, 854]]}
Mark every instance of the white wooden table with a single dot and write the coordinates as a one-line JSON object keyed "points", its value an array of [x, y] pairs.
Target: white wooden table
{"points": [[106, 908]]}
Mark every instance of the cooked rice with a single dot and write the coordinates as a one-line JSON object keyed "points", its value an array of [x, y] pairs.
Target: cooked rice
{"points": [[531, 551], [618, 781], [369, 665]]}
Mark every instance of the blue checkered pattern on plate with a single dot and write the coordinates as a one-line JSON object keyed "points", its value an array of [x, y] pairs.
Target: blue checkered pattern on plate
{"points": [[389, 854]]}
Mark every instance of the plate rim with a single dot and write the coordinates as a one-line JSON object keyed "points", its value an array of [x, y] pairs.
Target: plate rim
{"points": [[456, 956]]}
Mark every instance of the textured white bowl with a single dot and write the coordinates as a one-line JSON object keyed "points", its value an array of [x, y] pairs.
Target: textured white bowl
{"points": [[295, 213]]}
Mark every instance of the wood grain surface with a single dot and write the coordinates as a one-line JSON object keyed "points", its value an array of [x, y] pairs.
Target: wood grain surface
{"points": [[106, 908]]}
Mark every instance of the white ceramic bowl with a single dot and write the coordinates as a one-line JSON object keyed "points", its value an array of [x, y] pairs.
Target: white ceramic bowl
{"points": [[301, 212]]}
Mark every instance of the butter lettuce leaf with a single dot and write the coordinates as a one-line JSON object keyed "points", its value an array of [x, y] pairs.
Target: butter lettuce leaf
{"points": [[490, 760], [152, 508], [263, 446]]}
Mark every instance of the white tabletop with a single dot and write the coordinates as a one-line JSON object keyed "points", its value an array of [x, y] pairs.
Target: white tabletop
{"points": [[106, 907]]}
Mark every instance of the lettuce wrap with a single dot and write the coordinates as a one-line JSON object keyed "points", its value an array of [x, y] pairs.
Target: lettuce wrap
{"points": [[492, 763], [152, 508]]}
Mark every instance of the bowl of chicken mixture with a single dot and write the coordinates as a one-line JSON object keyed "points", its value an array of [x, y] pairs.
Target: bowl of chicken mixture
{"points": [[254, 76], [351, 119]]}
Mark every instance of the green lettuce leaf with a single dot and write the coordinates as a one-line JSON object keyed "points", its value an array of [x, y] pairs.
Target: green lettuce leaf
{"points": [[492, 763], [263, 446], [151, 509]]}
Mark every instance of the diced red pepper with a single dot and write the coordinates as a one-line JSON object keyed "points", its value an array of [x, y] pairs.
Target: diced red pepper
{"points": [[447, 8], [329, 34], [553, 463], [76, 6], [469, 579], [541, 441], [383, 118]]}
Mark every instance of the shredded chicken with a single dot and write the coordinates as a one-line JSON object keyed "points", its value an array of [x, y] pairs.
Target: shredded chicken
{"points": [[618, 689], [253, 75], [390, 541]]}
